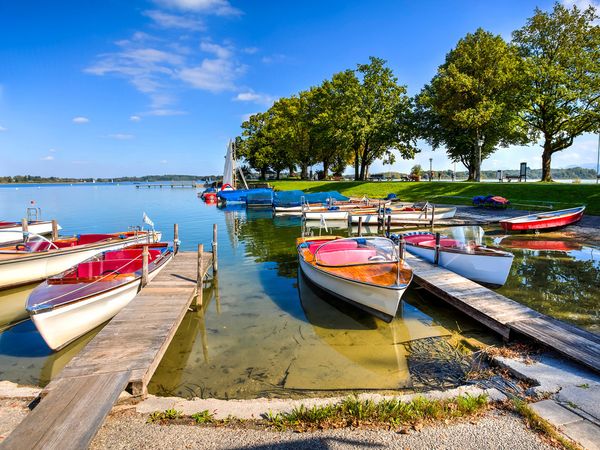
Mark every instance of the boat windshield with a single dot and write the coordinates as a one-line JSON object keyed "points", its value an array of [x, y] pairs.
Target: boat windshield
{"points": [[355, 251]]}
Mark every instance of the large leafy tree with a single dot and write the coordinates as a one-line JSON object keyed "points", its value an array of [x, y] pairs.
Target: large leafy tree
{"points": [[561, 50], [475, 96]]}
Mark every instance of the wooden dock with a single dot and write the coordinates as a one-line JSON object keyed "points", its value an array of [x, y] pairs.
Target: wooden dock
{"points": [[124, 354], [167, 185], [505, 316]]}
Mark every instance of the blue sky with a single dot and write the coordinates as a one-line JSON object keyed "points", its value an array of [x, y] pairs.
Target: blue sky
{"points": [[113, 88]]}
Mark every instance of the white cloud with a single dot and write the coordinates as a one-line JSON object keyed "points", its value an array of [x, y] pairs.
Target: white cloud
{"points": [[581, 4], [255, 97], [48, 158], [166, 20], [219, 51], [272, 59], [163, 161], [80, 119], [250, 50], [121, 136], [52, 150], [164, 112], [217, 7], [135, 118], [3, 128], [214, 75]]}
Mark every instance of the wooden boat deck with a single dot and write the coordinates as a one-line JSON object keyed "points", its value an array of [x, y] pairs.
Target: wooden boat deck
{"points": [[124, 353], [505, 316]]}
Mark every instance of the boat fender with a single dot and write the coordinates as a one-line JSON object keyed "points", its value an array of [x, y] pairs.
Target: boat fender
{"points": [[361, 241], [303, 245], [388, 210], [122, 236], [333, 208]]}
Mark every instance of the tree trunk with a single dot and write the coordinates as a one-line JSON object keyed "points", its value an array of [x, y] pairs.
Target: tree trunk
{"points": [[325, 169], [278, 173], [303, 171], [356, 165], [292, 170], [263, 172], [546, 160]]}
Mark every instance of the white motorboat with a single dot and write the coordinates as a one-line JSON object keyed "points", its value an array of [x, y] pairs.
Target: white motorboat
{"points": [[69, 305], [403, 215], [471, 260], [38, 259], [365, 272], [13, 231]]}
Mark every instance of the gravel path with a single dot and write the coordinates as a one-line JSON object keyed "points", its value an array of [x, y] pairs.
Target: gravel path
{"points": [[495, 431]]}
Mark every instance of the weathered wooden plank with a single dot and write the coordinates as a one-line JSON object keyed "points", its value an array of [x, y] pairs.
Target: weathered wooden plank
{"points": [[70, 416]]}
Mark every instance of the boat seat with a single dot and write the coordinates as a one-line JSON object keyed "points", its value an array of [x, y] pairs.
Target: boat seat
{"points": [[446, 243], [130, 254], [415, 239], [332, 246], [345, 257], [91, 238], [97, 268]]}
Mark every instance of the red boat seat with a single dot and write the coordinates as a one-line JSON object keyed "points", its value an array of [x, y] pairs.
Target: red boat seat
{"points": [[345, 257], [130, 254], [418, 238], [91, 238], [332, 246], [446, 242], [96, 268]]}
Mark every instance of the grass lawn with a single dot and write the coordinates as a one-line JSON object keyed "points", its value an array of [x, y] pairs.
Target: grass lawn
{"points": [[521, 195]]}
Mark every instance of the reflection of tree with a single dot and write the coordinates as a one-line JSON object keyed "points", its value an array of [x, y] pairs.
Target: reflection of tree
{"points": [[556, 284], [269, 243]]}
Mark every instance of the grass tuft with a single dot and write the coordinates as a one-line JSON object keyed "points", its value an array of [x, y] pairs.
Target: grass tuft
{"points": [[203, 417], [163, 416], [393, 413]]}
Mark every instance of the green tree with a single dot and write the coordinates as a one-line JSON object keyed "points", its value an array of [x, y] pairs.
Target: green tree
{"points": [[561, 50], [475, 96]]}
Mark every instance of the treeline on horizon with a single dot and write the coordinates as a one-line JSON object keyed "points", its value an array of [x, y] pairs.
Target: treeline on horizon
{"points": [[146, 178], [571, 173], [543, 85]]}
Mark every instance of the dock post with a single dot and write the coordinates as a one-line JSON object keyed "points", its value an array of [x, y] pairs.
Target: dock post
{"points": [[176, 238], [200, 280], [24, 228], [436, 257], [360, 219], [401, 244], [54, 230], [432, 215], [145, 254], [389, 225], [214, 250]]}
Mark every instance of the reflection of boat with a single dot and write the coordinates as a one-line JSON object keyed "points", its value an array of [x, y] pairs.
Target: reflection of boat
{"points": [[540, 244], [403, 214], [12, 305], [38, 259], [331, 213], [471, 260], [365, 272], [544, 221], [70, 304], [13, 231]]}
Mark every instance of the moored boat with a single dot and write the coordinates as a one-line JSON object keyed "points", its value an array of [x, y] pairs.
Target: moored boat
{"points": [[13, 231], [209, 195], [68, 305], [36, 260], [365, 272], [404, 214], [476, 262], [544, 221]]}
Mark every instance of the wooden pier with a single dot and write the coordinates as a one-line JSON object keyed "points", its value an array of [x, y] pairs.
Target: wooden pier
{"points": [[124, 354], [167, 185], [505, 316]]}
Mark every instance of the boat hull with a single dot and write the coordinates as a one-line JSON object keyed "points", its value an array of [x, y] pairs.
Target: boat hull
{"points": [[382, 302], [37, 267], [64, 324], [538, 222], [327, 215], [402, 216], [487, 269], [15, 234]]}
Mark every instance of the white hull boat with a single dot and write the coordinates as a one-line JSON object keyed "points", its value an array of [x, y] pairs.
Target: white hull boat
{"points": [[23, 263], [64, 312], [326, 215], [364, 272], [476, 262], [13, 231], [408, 215]]}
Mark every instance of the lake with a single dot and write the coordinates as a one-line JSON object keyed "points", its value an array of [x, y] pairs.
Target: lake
{"points": [[263, 331]]}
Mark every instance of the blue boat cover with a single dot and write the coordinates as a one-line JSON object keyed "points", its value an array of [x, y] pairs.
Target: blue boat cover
{"points": [[288, 198], [240, 195], [260, 197]]}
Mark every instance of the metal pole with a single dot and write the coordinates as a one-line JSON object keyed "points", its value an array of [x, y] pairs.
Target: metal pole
{"points": [[200, 279], [214, 250], [430, 169], [24, 228], [145, 255], [436, 257], [176, 237], [360, 220], [389, 225], [432, 215], [598, 162], [54, 230]]}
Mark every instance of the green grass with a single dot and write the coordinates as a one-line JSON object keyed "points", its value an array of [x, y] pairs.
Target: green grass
{"points": [[203, 417], [162, 416], [528, 196], [391, 413]]}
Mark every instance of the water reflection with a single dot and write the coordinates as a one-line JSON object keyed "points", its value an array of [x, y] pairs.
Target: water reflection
{"points": [[12, 305]]}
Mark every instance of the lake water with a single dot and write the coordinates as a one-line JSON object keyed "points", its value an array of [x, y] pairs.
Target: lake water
{"points": [[262, 330]]}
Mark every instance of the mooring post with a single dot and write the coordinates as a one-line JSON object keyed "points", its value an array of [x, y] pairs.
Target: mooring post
{"points": [[176, 238], [54, 230], [401, 245], [436, 257], [389, 225], [432, 215], [360, 219], [145, 254], [200, 280], [24, 228], [214, 250]]}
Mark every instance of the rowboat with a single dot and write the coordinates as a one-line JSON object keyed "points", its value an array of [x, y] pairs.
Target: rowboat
{"points": [[365, 272], [13, 231], [544, 221], [332, 213], [68, 305], [38, 259], [209, 195], [404, 214], [476, 262]]}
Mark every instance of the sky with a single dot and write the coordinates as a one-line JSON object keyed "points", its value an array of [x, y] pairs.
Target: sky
{"points": [[108, 88]]}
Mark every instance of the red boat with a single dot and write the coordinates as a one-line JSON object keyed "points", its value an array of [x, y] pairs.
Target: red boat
{"points": [[544, 221], [537, 244]]}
